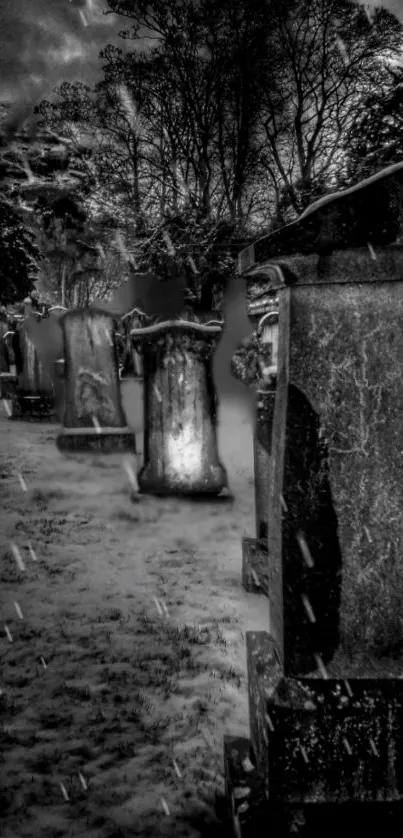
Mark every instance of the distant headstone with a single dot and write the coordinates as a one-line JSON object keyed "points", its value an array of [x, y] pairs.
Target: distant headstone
{"points": [[180, 437], [32, 378], [33, 396]]}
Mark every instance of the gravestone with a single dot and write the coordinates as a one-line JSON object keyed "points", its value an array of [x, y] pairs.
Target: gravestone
{"points": [[325, 684], [180, 403], [93, 415], [33, 395]]}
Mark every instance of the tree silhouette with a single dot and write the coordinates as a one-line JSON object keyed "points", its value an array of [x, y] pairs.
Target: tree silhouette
{"points": [[18, 256]]}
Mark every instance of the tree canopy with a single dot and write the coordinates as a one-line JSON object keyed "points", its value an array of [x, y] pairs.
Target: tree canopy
{"points": [[18, 256], [214, 122], [375, 138]]}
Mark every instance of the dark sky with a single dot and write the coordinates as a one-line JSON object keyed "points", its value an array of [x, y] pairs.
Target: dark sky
{"points": [[45, 42]]}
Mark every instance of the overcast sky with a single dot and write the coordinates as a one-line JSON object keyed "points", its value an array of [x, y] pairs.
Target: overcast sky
{"points": [[45, 42]]}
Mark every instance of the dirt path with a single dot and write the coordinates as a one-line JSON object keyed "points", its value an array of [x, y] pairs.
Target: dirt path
{"points": [[114, 707]]}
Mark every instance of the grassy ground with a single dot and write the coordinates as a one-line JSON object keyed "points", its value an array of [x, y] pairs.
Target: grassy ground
{"points": [[122, 641]]}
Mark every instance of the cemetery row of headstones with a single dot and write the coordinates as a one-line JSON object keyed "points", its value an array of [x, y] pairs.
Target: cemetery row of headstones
{"points": [[325, 683], [78, 377]]}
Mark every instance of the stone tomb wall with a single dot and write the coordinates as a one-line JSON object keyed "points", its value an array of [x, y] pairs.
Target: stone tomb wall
{"points": [[338, 443]]}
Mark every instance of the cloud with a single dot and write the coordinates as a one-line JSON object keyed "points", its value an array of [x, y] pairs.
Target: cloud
{"points": [[43, 43]]}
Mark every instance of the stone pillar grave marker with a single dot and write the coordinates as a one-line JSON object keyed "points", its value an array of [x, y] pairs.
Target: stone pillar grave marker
{"points": [[180, 438]]}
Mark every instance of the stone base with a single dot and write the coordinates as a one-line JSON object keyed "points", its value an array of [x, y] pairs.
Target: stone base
{"points": [[253, 814], [106, 440], [332, 741], [326, 753], [255, 566], [211, 485], [32, 407], [8, 382], [245, 792]]}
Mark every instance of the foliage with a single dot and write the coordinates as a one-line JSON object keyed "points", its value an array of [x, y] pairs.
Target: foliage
{"points": [[168, 131], [18, 255], [250, 361], [42, 178], [235, 112], [325, 57], [70, 255], [203, 251], [375, 138]]}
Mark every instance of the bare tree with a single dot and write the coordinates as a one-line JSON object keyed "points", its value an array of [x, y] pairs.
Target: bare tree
{"points": [[235, 111], [325, 57]]}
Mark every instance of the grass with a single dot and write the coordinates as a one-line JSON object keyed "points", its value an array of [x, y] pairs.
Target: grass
{"points": [[128, 666]]}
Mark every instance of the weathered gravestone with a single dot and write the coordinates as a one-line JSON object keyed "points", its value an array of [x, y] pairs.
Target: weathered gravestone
{"points": [[93, 414], [325, 686], [33, 395], [180, 436]]}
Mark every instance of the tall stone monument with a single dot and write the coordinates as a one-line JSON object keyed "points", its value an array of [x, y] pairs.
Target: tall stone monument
{"points": [[325, 684]]}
